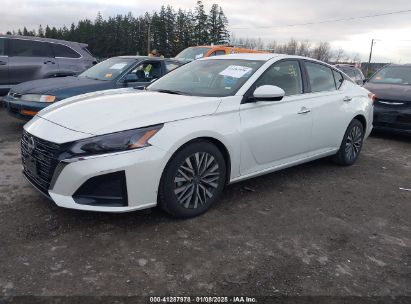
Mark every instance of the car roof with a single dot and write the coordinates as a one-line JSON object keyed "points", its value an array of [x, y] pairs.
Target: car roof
{"points": [[399, 65], [260, 56], [345, 65], [35, 38], [143, 58]]}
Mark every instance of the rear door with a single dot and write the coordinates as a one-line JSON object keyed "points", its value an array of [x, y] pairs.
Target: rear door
{"points": [[68, 60], [327, 104], [30, 60], [4, 63]]}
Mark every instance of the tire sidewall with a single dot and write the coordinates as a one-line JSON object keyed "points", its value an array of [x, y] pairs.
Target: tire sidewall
{"points": [[167, 197]]}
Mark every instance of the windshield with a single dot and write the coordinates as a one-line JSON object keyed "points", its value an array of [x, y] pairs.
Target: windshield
{"points": [[192, 53], [393, 75], [212, 77], [108, 69]]}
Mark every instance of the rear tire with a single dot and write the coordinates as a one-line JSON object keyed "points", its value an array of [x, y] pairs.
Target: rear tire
{"points": [[193, 180], [351, 144]]}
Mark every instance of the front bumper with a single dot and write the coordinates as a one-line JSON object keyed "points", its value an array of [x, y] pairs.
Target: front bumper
{"points": [[142, 170], [68, 181], [22, 109], [392, 119]]}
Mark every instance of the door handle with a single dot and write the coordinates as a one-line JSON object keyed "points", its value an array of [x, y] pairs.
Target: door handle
{"points": [[49, 61], [347, 99], [2, 63], [304, 110]]}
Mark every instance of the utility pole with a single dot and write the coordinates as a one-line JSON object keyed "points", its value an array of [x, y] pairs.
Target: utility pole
{"points": [[148, 39], [369, 59]]}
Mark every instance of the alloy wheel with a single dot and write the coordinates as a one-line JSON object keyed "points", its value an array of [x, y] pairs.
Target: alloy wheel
{"points": [[196, 180], [353, 143]]}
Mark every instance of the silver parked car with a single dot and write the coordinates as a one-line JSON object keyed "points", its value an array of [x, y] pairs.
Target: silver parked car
{"points": [[29, 58], [352, 71]]}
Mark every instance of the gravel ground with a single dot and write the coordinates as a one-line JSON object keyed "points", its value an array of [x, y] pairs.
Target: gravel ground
{"points": [[315, 229]]}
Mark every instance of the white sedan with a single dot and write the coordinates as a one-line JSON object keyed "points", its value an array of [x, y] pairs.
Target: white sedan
{"points": [[207, 124]]}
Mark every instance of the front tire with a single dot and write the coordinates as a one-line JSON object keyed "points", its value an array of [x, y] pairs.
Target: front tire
{"points": [[193, 180], [351, 144]]}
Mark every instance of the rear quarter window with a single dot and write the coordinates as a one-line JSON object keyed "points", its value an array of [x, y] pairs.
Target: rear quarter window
{"points": [[339, 79], [64, 51]]}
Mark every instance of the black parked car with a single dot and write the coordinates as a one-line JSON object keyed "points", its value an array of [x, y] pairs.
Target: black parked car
{"points": [[29, 58], [26, 99], [392, 106]]}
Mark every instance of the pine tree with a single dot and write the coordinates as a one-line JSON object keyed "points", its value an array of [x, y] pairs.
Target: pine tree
{"points": [[171, 31], [40, 31], [213, 25], [201, 27], [222, 24]]}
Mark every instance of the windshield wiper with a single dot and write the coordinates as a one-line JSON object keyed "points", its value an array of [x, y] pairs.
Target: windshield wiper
{"points": [[88, 77], [172, 92]]}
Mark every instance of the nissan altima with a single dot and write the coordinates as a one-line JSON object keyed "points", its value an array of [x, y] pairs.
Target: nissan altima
{"points": [[210, 123]]}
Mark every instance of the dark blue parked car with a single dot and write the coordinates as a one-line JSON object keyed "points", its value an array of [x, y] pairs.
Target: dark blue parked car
{"points": [[26, 99]]}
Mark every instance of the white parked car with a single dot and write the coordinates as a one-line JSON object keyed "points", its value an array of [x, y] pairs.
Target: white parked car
{"points": [[207, 124]]}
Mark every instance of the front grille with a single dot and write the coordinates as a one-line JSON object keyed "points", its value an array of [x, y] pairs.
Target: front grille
{"points": [[390, 103], [40, 159]]}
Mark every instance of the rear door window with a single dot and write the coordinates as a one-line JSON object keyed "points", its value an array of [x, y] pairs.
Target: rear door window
{"points": [[321, 77], [2, 47], [29, 48], [64, 51]]}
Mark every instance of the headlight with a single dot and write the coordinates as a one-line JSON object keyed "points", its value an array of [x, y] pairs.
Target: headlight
{"points": [[38, 98], [120, 141]]}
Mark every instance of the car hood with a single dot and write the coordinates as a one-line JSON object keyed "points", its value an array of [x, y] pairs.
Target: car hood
{"points": [[390, 91], [117, 110], [63, 86]]}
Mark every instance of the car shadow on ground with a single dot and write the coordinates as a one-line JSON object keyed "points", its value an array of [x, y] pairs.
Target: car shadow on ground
{"points": [[233, 196]]}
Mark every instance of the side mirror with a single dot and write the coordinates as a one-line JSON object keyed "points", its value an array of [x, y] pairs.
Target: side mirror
{"points": [[365, 80], [268, 93]]}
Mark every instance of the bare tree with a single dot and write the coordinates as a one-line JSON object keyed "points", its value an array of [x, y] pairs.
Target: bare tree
{"points": [[304, 48], [322, 51], [339, 56]]}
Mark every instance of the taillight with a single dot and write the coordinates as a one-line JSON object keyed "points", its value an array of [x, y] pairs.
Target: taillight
{"points": [[372, 97]]}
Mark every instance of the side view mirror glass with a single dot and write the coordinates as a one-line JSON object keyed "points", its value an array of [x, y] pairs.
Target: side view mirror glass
{"points": [[268, 93]]}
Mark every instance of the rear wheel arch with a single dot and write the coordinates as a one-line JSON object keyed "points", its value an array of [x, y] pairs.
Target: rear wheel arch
{"points": [[362, 120]]}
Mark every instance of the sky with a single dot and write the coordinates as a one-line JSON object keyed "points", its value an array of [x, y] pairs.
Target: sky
{"points": [[266, 19]]}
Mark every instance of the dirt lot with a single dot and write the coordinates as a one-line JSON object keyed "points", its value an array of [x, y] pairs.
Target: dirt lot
{"points": [[316, 229]]}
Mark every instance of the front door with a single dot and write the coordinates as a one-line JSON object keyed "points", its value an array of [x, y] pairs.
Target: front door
{"points": [[276, 133]]}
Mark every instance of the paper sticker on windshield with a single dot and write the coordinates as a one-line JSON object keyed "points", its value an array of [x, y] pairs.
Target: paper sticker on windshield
{"points": [[108, 75], [118, 66], [236, 71], [199, 56]]}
